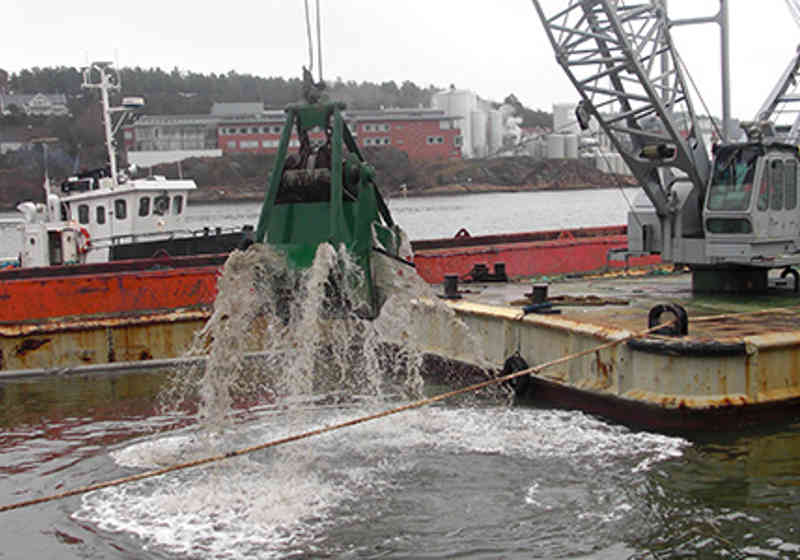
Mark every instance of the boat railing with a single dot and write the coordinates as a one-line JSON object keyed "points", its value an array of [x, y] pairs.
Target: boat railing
{"points": [[122, 239]]}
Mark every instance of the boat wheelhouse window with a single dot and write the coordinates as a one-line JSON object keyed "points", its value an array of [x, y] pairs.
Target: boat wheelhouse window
{"points": [[177, 204], [101, 214], [160, 205], [120, 209], [83, 213], [732, 181], [776, 185], [790, 177], [144, 206]]}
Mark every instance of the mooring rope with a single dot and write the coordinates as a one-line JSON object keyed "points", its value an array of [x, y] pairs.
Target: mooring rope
{"points": [[288, 439]]}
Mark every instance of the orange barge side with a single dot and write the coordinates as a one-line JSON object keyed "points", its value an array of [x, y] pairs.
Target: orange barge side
{"points": [[540, 253]]}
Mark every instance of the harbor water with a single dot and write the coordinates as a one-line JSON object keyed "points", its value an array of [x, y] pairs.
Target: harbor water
{"points": [[468, 479]]}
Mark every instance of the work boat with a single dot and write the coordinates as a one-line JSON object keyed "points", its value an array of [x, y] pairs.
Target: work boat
{"points": [[105, 214]]}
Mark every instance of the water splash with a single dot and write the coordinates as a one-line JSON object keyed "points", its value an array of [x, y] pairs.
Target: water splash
{"points": [[277, 333]]}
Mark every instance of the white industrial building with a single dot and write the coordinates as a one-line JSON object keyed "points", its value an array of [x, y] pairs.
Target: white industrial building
{"points": [[483, 127]]}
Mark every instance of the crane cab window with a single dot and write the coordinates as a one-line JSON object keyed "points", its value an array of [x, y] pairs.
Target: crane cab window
{"points": [[790, 180], [177, 205], [776, 186], [732, 181]]}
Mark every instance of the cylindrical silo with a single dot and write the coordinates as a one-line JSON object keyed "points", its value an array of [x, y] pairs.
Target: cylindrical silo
{"points": [[571, 146], [495, 130], [564, 121], [458, 103], [555, 146], [480, 121]]}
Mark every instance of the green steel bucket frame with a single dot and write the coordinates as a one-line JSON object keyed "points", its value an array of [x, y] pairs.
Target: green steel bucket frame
{"points": [[326, 194]]}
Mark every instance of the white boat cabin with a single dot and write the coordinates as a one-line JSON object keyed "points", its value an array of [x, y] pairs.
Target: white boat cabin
{"points": [[92, 212]]}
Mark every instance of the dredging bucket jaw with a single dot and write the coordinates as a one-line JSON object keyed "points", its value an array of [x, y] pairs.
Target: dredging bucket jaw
{"points": [[326, 193]]}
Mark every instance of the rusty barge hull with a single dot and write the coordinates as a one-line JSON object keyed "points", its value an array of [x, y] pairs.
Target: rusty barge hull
{"points": [[137, 286], [107, 339], [730, 371]]}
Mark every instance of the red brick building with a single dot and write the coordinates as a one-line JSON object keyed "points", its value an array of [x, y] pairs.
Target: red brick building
{"points": [[424, 134], [421, 133]]}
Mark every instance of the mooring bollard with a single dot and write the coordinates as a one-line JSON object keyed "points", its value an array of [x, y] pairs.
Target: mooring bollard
{"points": [[451, 286], [539, 293]]}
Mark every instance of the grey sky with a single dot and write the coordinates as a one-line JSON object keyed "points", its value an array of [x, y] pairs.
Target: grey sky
{"points": [[493, 48]]}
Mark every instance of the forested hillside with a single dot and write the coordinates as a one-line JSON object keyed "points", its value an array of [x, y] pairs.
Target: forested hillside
{"points": [[80, 138]]}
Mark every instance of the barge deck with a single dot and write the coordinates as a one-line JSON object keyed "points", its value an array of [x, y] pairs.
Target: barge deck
{"points": [[738, 364]]}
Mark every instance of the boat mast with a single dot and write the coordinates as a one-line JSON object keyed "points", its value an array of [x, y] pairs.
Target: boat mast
{"points": [[107, 79]]}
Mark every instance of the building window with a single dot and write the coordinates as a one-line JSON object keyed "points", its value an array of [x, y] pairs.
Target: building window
{"points": [[101, 214], [243, 130], [458, 140], [232, 144], [177, 204], [385, 128], [144, 206], [248, 144], [83, 213], [120, 209], [368, 141], [440, 139], [276, 130], [294, 143], [254, 130], [367, 128]]}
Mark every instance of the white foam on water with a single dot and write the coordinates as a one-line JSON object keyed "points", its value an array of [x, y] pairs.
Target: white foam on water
{"points": [[278, 500]]}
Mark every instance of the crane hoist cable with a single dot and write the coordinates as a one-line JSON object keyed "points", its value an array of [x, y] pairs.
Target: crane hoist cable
{"points": [[311, 41]]}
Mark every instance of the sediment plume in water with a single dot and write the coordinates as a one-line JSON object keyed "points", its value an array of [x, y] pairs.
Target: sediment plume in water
{"points": [[280, 334]]}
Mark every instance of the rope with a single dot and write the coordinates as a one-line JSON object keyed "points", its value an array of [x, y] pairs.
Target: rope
{"points": [[535, 370]]}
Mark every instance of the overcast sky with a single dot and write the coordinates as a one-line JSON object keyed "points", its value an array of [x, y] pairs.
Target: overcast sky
{"points": [[493, 48]]}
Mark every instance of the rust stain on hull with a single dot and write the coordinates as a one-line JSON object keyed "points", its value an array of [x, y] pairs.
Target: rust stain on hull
{"points": [[96, 340]]}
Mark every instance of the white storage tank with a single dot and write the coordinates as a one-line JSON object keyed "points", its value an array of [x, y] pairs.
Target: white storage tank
{"points": [[571, 146], [458, 103], [564, 121], [495, 130], [555, 146], [480, 123]]}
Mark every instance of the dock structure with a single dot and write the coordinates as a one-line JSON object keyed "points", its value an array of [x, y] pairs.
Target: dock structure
{"points": [[734, 368]]}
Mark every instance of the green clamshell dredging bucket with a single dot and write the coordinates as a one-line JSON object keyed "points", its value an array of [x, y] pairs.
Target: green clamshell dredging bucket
{"points": [[326, 193]]}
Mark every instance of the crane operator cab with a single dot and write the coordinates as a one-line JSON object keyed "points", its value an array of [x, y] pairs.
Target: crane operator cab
{"points": [[751, 213]]}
